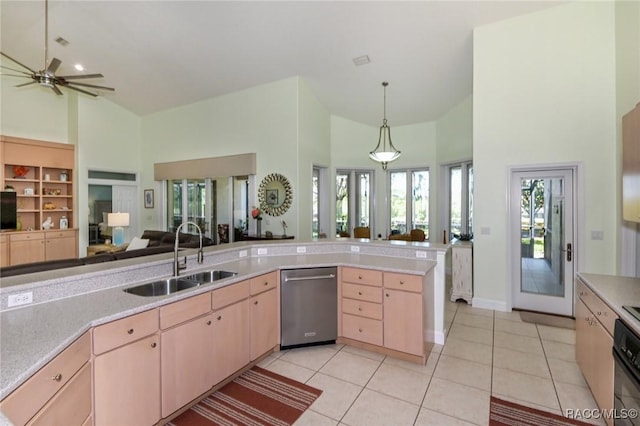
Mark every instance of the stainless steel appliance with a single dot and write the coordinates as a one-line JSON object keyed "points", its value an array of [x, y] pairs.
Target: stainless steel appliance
{"points": [[626, 354], [309, 307]]}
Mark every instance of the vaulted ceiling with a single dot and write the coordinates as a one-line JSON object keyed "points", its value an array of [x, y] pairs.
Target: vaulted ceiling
{"points": [[163, 54]]}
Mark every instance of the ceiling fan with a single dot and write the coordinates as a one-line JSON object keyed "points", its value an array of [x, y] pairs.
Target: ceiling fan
{"points": [[47, 77]]}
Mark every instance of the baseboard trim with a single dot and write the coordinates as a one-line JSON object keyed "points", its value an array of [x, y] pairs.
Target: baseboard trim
{"points": [[495, 305]]}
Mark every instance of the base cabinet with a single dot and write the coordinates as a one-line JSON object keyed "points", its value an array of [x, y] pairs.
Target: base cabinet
{"points": [[38, 246], [403, 321], [231, 337], [594, 343], [264, 314]]}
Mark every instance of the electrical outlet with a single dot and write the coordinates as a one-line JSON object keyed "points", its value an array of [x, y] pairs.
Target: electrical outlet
{"points": [[262, 251], [20, 299], [243, 253], [301, 249], [597, 235], [421, 254], [355, 249]]}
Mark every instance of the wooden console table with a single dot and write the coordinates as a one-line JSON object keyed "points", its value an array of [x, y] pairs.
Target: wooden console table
{"points": [[104, 248]]}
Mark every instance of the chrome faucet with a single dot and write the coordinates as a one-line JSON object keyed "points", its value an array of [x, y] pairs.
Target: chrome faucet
{"points": [[180, 266]]}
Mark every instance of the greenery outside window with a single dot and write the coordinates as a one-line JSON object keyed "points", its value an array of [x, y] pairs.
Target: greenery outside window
{"points": [[409, 200], [354, 200]]}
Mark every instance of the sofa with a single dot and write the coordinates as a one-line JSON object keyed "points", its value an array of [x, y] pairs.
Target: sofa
{"points": [[159, 242]]}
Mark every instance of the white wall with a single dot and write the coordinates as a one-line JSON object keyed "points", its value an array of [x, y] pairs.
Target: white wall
{"points": [[544, 92], [262, 119]]}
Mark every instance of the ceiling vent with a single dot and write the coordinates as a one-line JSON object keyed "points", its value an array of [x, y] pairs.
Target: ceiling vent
{"points": [[361, 60], [61, 41]]}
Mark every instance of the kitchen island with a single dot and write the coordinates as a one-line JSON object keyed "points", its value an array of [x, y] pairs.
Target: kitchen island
{"points": [[68, 304]]}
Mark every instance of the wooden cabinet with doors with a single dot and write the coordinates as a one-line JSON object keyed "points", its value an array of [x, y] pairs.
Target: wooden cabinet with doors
{"points": [[4, 250], [231, 334], [384, 312], [186, 344], [43, 176], [127, 371], [631, 165], [594, 343], [59, 393], [264, 314]]}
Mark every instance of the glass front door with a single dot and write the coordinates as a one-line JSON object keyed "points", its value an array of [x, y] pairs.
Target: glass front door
{"points": [[542, 235]]}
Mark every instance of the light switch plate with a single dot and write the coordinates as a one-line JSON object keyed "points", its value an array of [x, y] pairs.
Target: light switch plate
{"points": [[301, 249], [355, 249]]}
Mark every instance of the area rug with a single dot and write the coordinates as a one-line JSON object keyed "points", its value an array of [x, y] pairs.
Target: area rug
{"points": [[506, 413], [546, 319], [258, 397]]}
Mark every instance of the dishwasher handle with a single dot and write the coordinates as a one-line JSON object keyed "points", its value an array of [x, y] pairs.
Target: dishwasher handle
{"points": [[314, 277]]}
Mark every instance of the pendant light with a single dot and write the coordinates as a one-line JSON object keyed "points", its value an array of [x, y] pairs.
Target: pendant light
{"points": [[382, 153]]}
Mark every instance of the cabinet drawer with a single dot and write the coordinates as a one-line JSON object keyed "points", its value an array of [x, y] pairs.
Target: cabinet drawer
{"points": [[601, 310], [230, 294], [403, 282], [61, 234], [29, 398], [72, 405], [362, 329], [362, 292], [184, 310], [125, 330], [363, 309], [362, 276], [27, 236], [264, 282]]}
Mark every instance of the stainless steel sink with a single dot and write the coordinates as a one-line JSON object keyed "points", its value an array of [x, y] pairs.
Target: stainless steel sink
{"points": [[210, 276], [162, 287]]}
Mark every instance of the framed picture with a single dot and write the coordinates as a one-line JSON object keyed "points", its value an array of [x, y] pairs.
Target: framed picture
{"points": [[148, 198], [272, 197]]}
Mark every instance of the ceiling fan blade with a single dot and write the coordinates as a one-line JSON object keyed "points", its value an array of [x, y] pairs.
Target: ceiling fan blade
{"points": [[53, 66], [82, 91], [26, 84], [14, 75], [55, 89], [13, 60], [75, 77], [111, 89], [13, 69]]}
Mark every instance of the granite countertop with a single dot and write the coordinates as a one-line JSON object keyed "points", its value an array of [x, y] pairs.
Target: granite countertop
{"points": [[616, 291], [31, 336]]}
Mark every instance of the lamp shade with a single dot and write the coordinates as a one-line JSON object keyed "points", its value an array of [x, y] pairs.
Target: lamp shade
{"points": [[118, 219]]}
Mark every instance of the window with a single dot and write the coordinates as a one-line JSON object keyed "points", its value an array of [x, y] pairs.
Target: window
{"points": [[460, 198], [187, 201], [409, 201], [315, 189], [354, 200]]}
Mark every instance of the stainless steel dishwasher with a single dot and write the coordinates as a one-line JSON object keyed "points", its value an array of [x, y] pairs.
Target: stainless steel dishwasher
{"points": [[308, 307]]}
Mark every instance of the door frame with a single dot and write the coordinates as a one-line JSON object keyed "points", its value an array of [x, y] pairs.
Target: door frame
{"points": [[514, 250]]}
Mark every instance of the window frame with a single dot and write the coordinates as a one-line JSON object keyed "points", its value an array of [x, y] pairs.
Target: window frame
{"points": [[353, 193], [466, 215], [409, 225]]}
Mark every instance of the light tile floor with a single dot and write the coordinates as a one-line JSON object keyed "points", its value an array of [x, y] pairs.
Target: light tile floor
{"points": [[486, 353]]}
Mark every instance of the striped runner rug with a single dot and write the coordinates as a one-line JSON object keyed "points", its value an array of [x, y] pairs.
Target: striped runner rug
{"points": [[258, 397], [507, 413]]}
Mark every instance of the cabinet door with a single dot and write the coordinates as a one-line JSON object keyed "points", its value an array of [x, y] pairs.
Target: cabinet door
{"points": [[584, 340], [231, 338], [60, 245], [264, 323], [403, 322], [603, 366], [27, 248], [4, 251], [186, 363], [127, 384]]}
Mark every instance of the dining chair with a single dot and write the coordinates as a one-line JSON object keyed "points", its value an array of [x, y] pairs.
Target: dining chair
{"points": [[402, 237], [361, 232], [417, 235]]}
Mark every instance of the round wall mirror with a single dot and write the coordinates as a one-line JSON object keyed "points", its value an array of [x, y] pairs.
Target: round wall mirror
{"points": [[275, 194]]}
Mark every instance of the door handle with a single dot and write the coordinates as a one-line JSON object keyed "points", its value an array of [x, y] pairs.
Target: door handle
{"points": [[569, 252]]}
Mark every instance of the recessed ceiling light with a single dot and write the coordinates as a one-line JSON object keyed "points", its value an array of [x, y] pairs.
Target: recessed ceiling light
{"points": [[79, 67], [361, 60]]}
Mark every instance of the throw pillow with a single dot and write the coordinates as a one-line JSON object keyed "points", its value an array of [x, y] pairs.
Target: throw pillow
{"points": [[137, 243]]}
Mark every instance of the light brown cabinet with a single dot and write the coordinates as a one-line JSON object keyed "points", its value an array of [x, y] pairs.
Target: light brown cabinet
{"points": [[4, 250], [264, 314], [385, 310], [631, 165], [61, 390], [36, 246], [594, 343], [127, 378]]}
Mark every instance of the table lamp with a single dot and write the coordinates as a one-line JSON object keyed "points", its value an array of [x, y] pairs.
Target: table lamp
{"points": [[117, 221]]}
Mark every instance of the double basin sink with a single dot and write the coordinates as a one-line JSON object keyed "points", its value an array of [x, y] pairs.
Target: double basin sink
{"points": [[174, 284]]}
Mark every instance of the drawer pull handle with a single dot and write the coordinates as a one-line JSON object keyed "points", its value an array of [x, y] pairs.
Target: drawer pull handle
{"points": [[266, 283], [255, 303], [209, 322], [387, 294], [360, 309], [401, 282], [359, 293], [154, 344], [57, 377], [130, 331], [360, 330], [359, 277]]}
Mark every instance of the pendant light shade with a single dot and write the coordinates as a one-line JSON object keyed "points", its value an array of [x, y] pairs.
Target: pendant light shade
{"points": [[384, 152]]}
